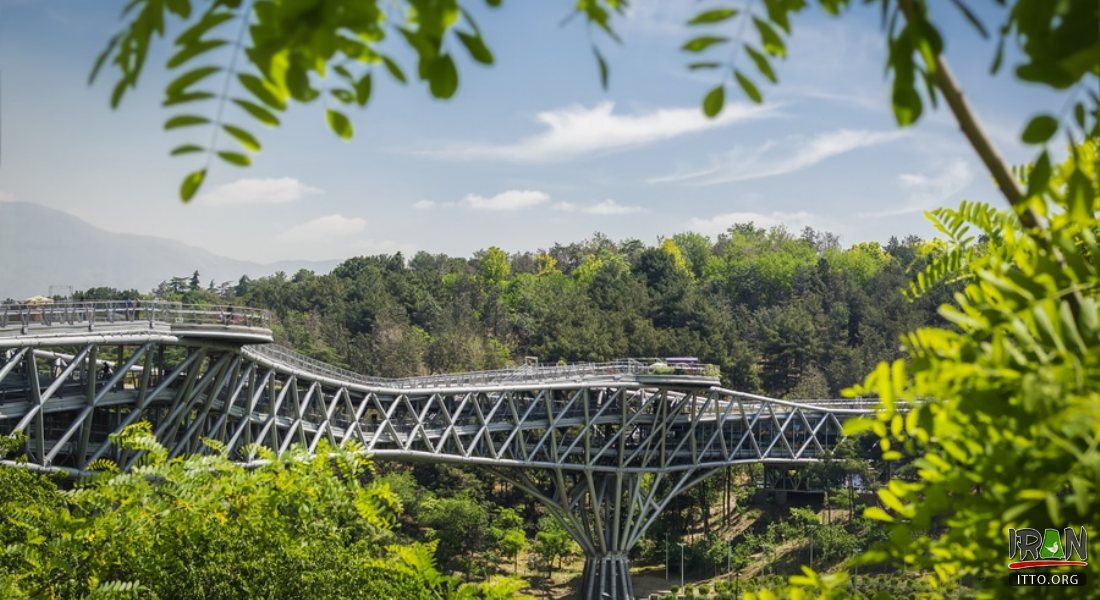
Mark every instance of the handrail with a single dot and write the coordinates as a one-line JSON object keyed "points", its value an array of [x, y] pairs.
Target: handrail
{"points": [[630, 366], [111, 311], [177, 314]]}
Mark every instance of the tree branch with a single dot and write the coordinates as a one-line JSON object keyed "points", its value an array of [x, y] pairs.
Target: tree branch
{"points": [[972, 130]]}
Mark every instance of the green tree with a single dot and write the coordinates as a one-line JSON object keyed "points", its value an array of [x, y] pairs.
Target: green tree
{"points": [[552, 542], [696, 250], [461, 525], [512, 543], [303, 525], [493, 266]]}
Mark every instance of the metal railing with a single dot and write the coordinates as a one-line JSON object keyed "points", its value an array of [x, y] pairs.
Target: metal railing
{"points": [[523, 374], [153, 312], [93, 312]]}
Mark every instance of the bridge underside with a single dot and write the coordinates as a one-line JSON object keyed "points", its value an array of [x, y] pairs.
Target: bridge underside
{"points": [[616, 447]]}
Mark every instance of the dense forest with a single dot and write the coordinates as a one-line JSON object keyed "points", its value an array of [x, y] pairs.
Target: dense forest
{"points": [[787, 315]]}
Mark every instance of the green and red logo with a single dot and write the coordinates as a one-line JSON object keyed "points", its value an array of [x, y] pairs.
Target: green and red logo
{"points": [[1049, 548]]}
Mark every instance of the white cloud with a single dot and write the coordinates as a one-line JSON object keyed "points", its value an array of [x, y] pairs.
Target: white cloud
{"points": [[324, 229], [426, 205], [577, 130], [793, 221], [658, 17], [923, 191], [279, 190], [607, 207], [778, 158], [6, 197], [508, 200]]}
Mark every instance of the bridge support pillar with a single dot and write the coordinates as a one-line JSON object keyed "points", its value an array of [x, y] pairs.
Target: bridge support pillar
{"points": [[606, 576], [606, 513]]}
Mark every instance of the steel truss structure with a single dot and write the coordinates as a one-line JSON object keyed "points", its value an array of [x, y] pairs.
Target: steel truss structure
{"points": [[604, 447]]}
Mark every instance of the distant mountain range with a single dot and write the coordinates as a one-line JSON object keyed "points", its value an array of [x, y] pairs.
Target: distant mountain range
{"points": [[42, 247]]}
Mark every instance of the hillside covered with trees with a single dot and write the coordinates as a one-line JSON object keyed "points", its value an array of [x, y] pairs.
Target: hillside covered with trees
{"points": [[788, 315]]}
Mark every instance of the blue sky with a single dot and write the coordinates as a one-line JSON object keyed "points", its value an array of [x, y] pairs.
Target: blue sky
{"points": [[529, 152]]}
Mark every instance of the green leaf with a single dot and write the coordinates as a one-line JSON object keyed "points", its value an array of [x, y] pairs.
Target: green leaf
{"points": [[118, 91], [394, 69], [998, 57], [262, 91], [1039, 130], [1079, 115], [260, 113], [339, 124], [696, 66], [973, 18], [189, 52], [181, 8], [773, 44], [1039, 176], [716, 15], [185, 121], [186, 149], [191, 184], [345, 96], [762, 63], [750, 88], [193, 34], [246, 139], [235, 158], [703, 42], [188, 79], [907, 105], [363, 89], [475, 45], [778, 14], [102, 57], [876, 513], [602, 64], [714, 101], [299, 84], [443, 77], [185, 98]]}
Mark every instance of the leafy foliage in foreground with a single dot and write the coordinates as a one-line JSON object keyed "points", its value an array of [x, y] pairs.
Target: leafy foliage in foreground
{"points": [[238, 63], [1003, 419], [203, 527]]}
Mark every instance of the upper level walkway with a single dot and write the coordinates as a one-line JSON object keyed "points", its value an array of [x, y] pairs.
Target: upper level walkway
{"points": [[49, 321], [131, 321]]}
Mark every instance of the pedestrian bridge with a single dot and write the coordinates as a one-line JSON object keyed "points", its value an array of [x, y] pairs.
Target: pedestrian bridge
{"points": [[605, 446]]}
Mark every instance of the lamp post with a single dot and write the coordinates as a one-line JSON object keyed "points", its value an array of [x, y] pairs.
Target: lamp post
{"points": [[666, 556], [729, 551], [681, 545], [855, 572], [812, 528]]}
